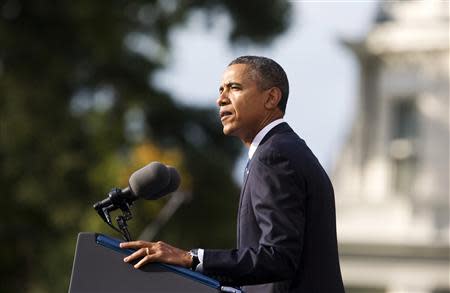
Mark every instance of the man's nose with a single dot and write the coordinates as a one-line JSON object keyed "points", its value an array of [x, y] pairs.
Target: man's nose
{"points": [[223, 100]]}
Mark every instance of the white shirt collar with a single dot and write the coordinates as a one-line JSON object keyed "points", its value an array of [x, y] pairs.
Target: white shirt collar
{"points": [[259, 137]]}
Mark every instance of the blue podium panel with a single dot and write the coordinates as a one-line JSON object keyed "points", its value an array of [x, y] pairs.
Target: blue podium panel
{"points": [[98, 267]]}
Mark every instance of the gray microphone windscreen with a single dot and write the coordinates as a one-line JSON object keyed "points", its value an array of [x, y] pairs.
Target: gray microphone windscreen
{"points": [[173, 185], [149, 180]]}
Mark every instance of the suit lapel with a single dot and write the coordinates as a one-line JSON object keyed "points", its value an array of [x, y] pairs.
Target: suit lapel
{"points": [[244, 183]]}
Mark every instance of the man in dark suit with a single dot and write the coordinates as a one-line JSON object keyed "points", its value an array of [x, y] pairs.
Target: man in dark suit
{"points": [[286, 217]]}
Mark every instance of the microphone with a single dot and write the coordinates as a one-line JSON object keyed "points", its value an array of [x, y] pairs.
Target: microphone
{"points": [[173, 185], [150, 182]]}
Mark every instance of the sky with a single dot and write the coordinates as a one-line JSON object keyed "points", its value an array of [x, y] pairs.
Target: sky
{"points": [[323, 74]]}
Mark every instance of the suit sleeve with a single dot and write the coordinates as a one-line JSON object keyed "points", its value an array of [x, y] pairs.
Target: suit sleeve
{"points": [[278, 203]]}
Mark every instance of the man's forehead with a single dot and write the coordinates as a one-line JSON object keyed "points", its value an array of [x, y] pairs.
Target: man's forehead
{"points": [[235, 73]]}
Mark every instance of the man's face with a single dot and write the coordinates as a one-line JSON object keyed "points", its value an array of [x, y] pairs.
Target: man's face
{"points": [[241, 103]]}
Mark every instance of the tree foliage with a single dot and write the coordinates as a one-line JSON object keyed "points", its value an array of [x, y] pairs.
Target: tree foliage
{"points": [[78, 114]]}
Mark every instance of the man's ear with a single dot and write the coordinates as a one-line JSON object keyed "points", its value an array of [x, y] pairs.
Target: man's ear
{"points": [[273, 98]]}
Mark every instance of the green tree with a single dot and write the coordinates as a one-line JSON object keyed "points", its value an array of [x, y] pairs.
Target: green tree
{"points": [[76, 103]]}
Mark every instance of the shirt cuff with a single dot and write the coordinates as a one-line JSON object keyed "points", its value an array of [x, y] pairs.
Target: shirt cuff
{"points": [[199, 267]]}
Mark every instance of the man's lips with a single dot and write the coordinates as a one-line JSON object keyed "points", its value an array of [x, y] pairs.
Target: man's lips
{"points": [[225, 114]]}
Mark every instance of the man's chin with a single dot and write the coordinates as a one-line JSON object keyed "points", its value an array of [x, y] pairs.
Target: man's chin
{"points": [[228, 130]]}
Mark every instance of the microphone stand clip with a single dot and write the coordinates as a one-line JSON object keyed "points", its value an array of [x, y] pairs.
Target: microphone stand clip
{"points": [[115, 201]]}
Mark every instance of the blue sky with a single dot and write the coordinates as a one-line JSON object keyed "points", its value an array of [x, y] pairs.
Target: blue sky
{"points": [[323, 74]]}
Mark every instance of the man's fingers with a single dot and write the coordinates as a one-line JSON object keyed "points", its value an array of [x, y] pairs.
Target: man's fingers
{"points": [[156, 252], [144, 260], [135, 244], [137, 254]]}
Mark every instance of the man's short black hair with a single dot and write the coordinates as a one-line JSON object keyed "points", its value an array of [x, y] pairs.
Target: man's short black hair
{"points": [[270, 74]]}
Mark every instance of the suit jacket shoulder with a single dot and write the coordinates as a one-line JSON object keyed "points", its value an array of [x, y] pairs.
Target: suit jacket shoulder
{"points": [[283, 143]]}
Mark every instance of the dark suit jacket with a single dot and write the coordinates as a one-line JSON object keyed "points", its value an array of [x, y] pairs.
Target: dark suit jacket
{"points": [[286, 223]]}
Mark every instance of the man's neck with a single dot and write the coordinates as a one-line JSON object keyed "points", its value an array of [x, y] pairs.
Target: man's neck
{"points": [[261, 135], [247, 141]]}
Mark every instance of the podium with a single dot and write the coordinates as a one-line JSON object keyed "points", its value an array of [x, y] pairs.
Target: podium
{"points": [[99, 267]]}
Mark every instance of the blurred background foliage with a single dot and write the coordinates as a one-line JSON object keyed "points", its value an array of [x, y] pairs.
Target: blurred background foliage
{"points": [[79, 113]]}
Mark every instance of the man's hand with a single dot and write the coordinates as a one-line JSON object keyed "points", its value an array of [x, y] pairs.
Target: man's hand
{"points": [[156, 252]]}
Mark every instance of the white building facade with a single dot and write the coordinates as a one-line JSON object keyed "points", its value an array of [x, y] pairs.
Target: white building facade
{"points": [[392, 177]]}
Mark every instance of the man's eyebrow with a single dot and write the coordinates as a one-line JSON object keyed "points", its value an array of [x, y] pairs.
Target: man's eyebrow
{"points": [[230, 84]]}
